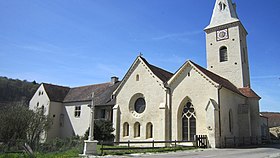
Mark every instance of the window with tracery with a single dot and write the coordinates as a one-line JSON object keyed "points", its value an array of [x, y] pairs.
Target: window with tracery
{"points": [[188, 122]]}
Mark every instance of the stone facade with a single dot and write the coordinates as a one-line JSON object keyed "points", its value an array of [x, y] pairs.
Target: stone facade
{"points": [[153, 104], [217, 101]]}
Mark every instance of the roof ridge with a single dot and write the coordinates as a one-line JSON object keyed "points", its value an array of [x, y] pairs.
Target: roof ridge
{"points": [[159, 72], [54, 85], [92, 85], [218, 79]]}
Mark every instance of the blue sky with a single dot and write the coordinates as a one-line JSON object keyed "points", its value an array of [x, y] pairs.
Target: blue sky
{"points": [[82, 42]]}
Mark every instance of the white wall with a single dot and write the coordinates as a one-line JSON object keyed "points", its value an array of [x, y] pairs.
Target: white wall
{"points": [[75, 125], [198, 90], [154, 93], [38, 101]]}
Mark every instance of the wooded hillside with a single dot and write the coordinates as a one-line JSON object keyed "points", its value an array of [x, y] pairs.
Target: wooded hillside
{"points": [[15, 91]]}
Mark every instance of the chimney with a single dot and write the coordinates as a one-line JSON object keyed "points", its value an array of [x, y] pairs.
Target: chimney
{"points": [[114, 80]]}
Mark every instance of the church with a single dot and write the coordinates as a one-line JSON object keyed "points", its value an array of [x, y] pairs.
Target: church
{"points": [[150, 103]]}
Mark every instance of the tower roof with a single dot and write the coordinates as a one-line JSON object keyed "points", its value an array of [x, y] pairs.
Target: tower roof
{"points": [[224, 12]]}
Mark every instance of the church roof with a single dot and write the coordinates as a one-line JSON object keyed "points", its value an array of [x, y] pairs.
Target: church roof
{"points": [[55, 93], [248, 92], [162, 74], [102, 93], [224, 12], [218, 79]]}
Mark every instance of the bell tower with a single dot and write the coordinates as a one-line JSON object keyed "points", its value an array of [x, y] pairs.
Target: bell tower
{"points": [[226, 45]]}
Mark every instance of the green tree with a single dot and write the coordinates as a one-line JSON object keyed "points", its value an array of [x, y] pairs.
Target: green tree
{"points": [[102, 131], [18, 123], [38, 124]]}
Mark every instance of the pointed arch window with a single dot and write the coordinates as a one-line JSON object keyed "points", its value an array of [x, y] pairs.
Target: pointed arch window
{"points": [[188, 122], [223, 54], [222, 6]]}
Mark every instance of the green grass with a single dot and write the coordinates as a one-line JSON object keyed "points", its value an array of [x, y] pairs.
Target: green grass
{"points": [[158, 150], [76, 151]]}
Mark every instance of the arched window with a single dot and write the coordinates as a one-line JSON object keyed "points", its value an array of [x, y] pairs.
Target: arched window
{"points": [[149, 130], [223, 54], [230, 120], [125, 129], [137, 77], [137, 129], [188, 122]]}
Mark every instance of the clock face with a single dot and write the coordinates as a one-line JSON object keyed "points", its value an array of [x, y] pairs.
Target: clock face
{"points": [[222, 34]]}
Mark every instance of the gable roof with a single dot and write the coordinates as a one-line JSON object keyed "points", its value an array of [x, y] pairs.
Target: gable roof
{"points": [[102, 93], [218, 79], [55, 93], [162, 74], [248, 92]]}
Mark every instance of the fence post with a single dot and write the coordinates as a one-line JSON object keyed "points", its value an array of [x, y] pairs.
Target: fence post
{"points": [[175, 143], [206, 141], [196, 141], [102, 152], [153, 143], [128, 143], [225, 142]]}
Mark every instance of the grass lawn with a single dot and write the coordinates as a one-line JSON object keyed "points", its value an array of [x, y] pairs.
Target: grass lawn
{"points": [[76, 151]]}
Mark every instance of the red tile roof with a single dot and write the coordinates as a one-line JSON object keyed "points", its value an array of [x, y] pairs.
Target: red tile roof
{"points": [[273, 118], [248, 92]]}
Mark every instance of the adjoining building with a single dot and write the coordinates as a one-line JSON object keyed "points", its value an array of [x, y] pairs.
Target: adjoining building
{"points": [[69, 108]]}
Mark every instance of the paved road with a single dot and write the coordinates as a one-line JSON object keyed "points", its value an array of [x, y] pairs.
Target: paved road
{"points": [[261, 152]]}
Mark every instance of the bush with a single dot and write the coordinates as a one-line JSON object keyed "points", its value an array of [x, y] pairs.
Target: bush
{"points": [[102, 131], [60, 145]]}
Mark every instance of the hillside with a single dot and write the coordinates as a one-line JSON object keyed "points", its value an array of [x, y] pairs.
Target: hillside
{"points": [[14, 91]]}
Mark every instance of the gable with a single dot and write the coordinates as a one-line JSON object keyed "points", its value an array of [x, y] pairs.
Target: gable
{"points": [[161, 76], [56, 93], [212, 78]]}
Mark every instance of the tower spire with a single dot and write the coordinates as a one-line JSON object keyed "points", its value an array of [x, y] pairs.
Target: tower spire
{"points": [[224, 12]]}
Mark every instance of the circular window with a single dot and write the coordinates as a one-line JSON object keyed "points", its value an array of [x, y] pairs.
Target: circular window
{"points": [[140, 105]]}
